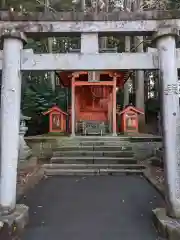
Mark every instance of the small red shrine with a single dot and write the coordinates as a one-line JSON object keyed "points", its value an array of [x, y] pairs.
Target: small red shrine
{"points": [[129, 119], [57, 119]]}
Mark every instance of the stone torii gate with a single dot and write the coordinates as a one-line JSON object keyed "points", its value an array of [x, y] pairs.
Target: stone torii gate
{"points": [[162, 26]]}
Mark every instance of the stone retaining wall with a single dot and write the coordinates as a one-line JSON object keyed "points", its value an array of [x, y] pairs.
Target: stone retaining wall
{"points": [[144, 150], [43, 146]]}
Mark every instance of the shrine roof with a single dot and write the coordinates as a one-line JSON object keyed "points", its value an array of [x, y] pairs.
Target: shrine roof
{"points": [[54, 109], [131, 108], [65, 77]]}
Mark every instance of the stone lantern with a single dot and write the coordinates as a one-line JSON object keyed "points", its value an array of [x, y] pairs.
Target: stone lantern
{"points": [[24, 151]]}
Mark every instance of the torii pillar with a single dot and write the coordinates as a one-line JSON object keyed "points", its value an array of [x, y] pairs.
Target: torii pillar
{"points": [[165, 40], [10, 122]]}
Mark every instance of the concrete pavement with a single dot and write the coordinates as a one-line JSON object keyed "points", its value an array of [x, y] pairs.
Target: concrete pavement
{"points": [[95, 207]]}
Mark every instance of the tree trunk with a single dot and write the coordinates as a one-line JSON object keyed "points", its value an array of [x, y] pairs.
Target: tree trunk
{"points": [[50, 49]]}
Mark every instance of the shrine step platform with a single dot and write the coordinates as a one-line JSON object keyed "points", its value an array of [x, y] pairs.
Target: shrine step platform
{"points": [[92, 159], [93, 156], [60, 150], [92, 169], [95, 142], [94, 153]]}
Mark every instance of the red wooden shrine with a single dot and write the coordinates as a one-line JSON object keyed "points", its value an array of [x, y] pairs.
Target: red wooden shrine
{"points": [[93, 101], [129, 119], [57, 119]]}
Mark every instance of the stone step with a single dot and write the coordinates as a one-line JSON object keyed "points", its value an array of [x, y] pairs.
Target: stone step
{"points": [[114, 147], [97, 160], [94, 153], [100, 143], [91, 148], [99, 138], [90, 142], [145, 138], [85, 172], [93, 166]]}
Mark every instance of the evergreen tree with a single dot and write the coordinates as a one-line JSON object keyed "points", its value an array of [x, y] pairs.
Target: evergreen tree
{"points": [[37, 94]]}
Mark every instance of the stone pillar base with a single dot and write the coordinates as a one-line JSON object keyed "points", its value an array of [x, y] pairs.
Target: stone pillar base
{"points": [[114, 134], [72, 135], [14, 223], [25, 155], [168, 228]]}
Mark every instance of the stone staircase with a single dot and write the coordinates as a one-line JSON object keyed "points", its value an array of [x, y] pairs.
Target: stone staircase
{"points": [[92, 156]]}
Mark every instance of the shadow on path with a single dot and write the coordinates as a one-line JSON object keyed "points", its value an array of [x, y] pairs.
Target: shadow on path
{"points": [[92, 208]]}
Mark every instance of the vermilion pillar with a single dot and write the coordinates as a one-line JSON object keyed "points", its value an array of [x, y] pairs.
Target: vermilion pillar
{"points": [[73, 107], [114, 107]]}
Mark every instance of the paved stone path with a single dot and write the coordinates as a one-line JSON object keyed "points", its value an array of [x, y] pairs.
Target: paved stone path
{"points": [[86, 208]]}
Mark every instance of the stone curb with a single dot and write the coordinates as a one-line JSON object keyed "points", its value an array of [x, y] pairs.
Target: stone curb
{"points": [[31, 181], [93, 172], [147, 174], [167, 227], [92, 166]]}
